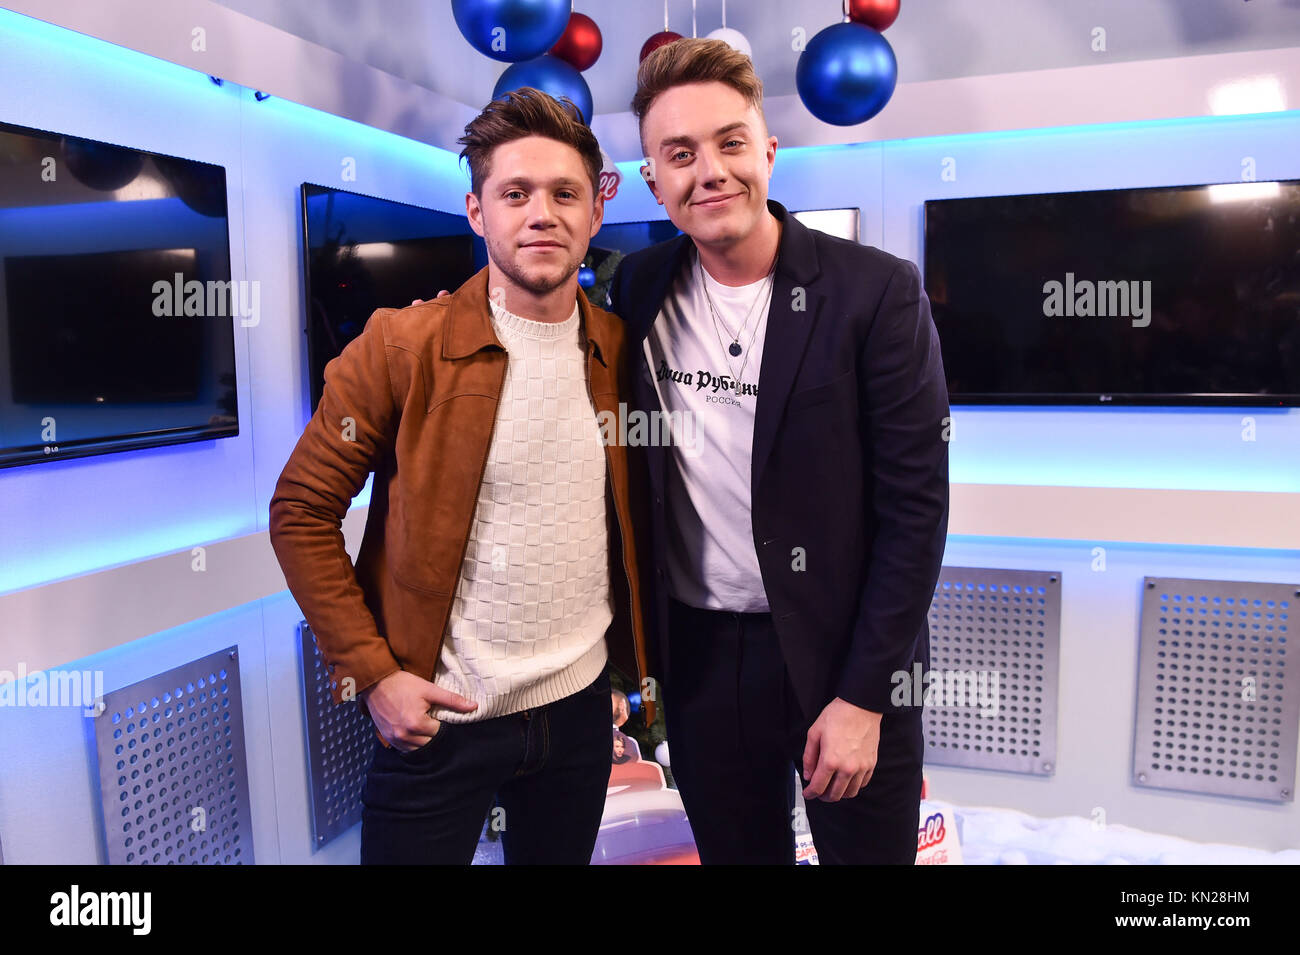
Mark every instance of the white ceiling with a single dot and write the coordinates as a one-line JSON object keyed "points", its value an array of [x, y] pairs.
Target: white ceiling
{"points": [[418, 41]]}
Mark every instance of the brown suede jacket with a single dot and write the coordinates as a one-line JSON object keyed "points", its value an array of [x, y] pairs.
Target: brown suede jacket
{"points": [[414, 398]]}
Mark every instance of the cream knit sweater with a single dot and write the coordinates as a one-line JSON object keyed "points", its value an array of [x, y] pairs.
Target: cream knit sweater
{"points": [[533, 601]]}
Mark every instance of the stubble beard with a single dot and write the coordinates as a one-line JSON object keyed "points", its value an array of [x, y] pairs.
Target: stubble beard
{"points": [[536, 285]]}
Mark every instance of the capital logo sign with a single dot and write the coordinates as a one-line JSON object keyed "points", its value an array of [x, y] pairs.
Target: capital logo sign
{"points": [[932, 833], [610, 177], [936, 838]]}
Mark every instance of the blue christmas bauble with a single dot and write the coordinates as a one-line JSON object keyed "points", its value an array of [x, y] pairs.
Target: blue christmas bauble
{"points": [[511, 30], [846, 74], [550, 75], [586, 277]]}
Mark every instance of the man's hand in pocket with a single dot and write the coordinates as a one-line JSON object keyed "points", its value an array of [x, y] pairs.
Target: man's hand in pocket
{"points": [[400, 704]]}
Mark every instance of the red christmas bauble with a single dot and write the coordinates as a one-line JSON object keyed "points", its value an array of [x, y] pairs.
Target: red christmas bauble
{"points": [[580, 44], [877, 14], [658, 40]]}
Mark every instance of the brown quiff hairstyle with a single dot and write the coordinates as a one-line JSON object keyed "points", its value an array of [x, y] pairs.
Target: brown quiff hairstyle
{"points": [[693, 60], [527, 112]]}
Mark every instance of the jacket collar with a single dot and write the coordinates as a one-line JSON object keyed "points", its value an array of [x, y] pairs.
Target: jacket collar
{"points": [[469, 322], [797, 256]]}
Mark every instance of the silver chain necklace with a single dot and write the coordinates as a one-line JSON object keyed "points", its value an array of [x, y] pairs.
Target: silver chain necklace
{"points": [[735, 349], [753, 335]]}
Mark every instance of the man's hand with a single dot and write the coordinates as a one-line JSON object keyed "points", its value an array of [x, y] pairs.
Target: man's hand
{"points": [[840, 754], [400, 704], [421, 301]]}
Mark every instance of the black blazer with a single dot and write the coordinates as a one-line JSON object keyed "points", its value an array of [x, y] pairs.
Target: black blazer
{"points": [[850, 461]]}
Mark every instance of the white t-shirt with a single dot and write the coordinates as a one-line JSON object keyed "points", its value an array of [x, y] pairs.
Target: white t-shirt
{"points": [[712, 562]]}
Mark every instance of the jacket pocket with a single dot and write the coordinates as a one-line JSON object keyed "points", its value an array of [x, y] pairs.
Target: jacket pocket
{"points": [[421, 558], [820, 394], [424, 582]]}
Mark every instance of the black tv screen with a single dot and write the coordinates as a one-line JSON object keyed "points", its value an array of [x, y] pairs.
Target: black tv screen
{"points": [[1181, 295], [363, 253], [626, 237], [116, 307]]}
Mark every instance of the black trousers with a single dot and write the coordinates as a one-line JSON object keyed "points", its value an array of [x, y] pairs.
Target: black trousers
{"points": [[547, 769], [736, 735]]}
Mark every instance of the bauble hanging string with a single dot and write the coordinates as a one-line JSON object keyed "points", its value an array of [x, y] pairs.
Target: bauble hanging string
{"points": [[733, 38], [659, 39]]}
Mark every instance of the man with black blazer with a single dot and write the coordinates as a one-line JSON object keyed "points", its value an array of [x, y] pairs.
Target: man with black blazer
{"points": [[795, 540]]}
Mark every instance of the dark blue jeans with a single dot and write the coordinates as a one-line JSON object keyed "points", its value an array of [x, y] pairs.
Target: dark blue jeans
{"points": [[546, 768], [737, 734]]}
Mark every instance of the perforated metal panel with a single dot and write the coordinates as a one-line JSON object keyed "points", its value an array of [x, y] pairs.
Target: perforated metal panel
{"points": [[173, 781], [340, 745], [995, 635], [1218, 692]]}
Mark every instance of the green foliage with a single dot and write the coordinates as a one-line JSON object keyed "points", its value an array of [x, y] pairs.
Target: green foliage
{"points": [[598, 294]]}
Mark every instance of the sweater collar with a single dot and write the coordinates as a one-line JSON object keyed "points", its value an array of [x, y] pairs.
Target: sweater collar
{"points": [[469, 322]]}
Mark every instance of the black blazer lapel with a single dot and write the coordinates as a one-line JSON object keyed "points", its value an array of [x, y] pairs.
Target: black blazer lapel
{"points": [[649, 286], [790, 320], [640, 300]]}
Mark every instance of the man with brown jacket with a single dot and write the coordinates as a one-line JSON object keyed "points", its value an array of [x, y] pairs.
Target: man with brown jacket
{"points": [[497, 573]]}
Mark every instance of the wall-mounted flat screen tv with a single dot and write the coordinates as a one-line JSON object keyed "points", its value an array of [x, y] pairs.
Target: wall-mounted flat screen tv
{"points": [[117, 313], [362, 253], [1179, 295], [842, 223]]}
